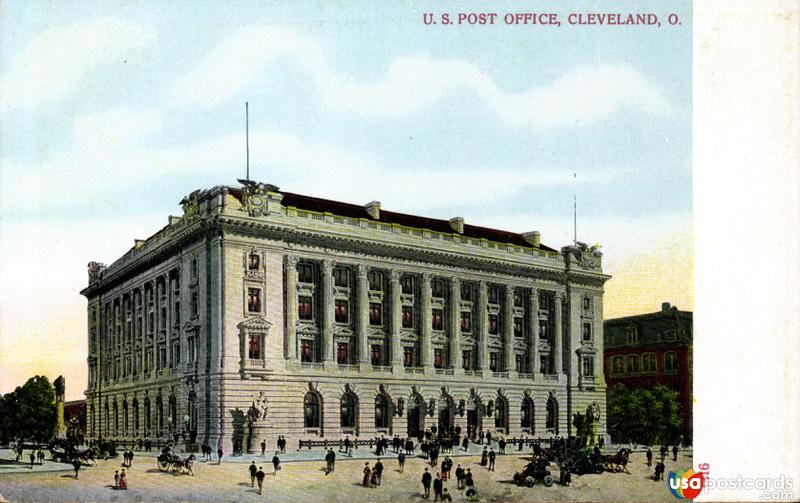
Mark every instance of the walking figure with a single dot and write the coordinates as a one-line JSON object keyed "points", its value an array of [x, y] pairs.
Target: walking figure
{"points": [[437, 488], [76, 465], [276, 463], [675, 453], [116, 479], [378, 471], [649, 455], [260, 478], [659, 473], [263, 447], [492, 457], [219, 456], [253, 469], [401, 460], [426, 484]]}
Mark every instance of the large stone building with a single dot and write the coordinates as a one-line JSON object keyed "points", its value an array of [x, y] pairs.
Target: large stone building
{"points": [[649, 349], [261, 312]]}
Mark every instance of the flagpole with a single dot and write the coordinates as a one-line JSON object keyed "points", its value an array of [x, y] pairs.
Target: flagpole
{"points": [[247, 135]]}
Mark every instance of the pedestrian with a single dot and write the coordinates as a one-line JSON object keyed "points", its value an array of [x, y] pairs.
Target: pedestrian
{"points": [[378, 471], [484, 457], [426, 483], [649, 455], [123, 480], [263, 447], [260, 478], [401, 460], [437, 488], [465, 443], [367, 474], [492, 457], [328, 461], [674, 453], [116, 479], [468, 480], [130, 458], [480, 437], [76, 465], [253, 469], [489, 438], [460, 477], [347, 444], [32, 458], [219, 456], [502, 445], [276, 463], [659, 473]]}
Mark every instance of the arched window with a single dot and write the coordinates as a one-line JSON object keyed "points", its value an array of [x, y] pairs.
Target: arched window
{"points": [[348, 408], [125, 417], [311, 410], [147, 420], [501, 413], [617, 365], [116, 418], [135, 417], [670, 361], [551, 422], [381, 412], [526, 414]]}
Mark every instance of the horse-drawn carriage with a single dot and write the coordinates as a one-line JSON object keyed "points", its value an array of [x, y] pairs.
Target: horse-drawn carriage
{"points": [[537, 470], [617, 462], [168, 461], [64, 451], [583, 460]]}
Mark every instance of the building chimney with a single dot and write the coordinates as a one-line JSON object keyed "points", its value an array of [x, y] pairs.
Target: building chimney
{"points": [[374, 209], [457, 224], [533, 238], [665, 306]]}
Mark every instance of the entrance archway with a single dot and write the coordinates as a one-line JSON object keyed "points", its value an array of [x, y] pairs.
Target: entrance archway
{"points": [[416, 415], [445, 420], [474, 415]]}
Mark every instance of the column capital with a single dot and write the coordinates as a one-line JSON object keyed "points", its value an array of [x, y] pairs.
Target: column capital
{"points": [[455, 282], [327, 265], [394, 276], [483, 287], [509, 288], [560, 296], [291, 261], [361, 271], [426, 277]]}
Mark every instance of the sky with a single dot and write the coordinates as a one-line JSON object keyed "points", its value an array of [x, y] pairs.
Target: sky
{"points": [[111, 112]]}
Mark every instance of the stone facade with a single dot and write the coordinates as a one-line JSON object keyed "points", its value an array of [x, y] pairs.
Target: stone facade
{"points": [[261, 312]]}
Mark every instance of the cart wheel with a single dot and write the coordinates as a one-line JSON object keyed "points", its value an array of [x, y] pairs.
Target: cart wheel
{"points": [[530, 481], [548, 480], [163, 466], [598, 469]]}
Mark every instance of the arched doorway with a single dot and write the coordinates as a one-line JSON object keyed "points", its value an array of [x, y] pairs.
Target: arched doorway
{"points": [[416, 415], [474, 415], [312, 411], [445, 418], [527, 415], [551, 422], [383, 414], [501, 413], [348, 408]]}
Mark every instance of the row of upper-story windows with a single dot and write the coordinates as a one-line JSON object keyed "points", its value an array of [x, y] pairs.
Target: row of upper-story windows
{"points": [[643, 363]]}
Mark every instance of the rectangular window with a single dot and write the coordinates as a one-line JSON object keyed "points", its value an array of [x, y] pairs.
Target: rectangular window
{"points": [[493, 361], [340, 311], [588, 366], [408, 317], [254, 347], [632, 364], [305, 273], [545, 301], [437, 288], [254, 262], [254, 300], [176, 354], [407, 284], [587, 332], [632, 335], [341, 353], [177, 318], [195, 306], [375, 313], [493, 324], [307, 351], [466, 360], [341, 277], [305, 310], [617, 365], [544, 366], [670, 362], [518, 299], [518, 363], [466, 321], [375, 280], [466, 292], [649, 362], [544, 329], [438, 358], [408, 356], [377, 354], [192, 349], [193, 268], [587, 303], [437, 321], [494, 295], [517, 326]]}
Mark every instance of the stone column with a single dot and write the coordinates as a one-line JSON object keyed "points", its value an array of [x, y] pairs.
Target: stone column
{"points": [[362, 314], [557, 344], [533, 332], [425, 323], [483, 327], [395, 290], [290, 334], [597, 334], [327, 311], [508, 330], [154, 328], [455, 324]]}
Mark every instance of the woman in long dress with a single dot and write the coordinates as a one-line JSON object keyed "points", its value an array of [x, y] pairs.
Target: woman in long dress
{"points": [[367, 473], [484, 457], [123, 480]]}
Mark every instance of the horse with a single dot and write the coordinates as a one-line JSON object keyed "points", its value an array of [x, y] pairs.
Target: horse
{"points": [[186, 464], [617, 462]]}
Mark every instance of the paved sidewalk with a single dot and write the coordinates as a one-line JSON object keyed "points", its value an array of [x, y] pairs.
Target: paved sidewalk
{"points": [[8, 465]]}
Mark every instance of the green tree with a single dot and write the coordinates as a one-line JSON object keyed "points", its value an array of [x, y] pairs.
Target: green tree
{"points": [[644, 416], [29, 412]]}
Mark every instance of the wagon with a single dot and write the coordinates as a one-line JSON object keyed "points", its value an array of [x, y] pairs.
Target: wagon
{"points": [[535, 471]]}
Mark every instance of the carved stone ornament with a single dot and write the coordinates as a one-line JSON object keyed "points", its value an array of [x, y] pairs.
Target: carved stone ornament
{"points": [[191, 206], [432, 407], [95, 270], [254, 197], [258, 408]]}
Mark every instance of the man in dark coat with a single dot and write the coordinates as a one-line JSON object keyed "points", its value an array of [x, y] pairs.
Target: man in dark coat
{"points": [[379, 470], [253, 469], [276, 463], [263, 447], [260, 478], [649, 455], [426, 484], [492, 457], [437, 488], [401, 460], [219, 456], [460, 477], [675, 453]]}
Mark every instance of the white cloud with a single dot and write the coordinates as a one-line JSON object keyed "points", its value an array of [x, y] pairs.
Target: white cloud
{"points": [[53, 63], [104, 156], [582, 95]]}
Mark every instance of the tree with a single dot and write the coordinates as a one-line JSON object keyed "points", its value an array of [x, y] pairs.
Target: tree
{"points": [[644, 416], [29, 412]]}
